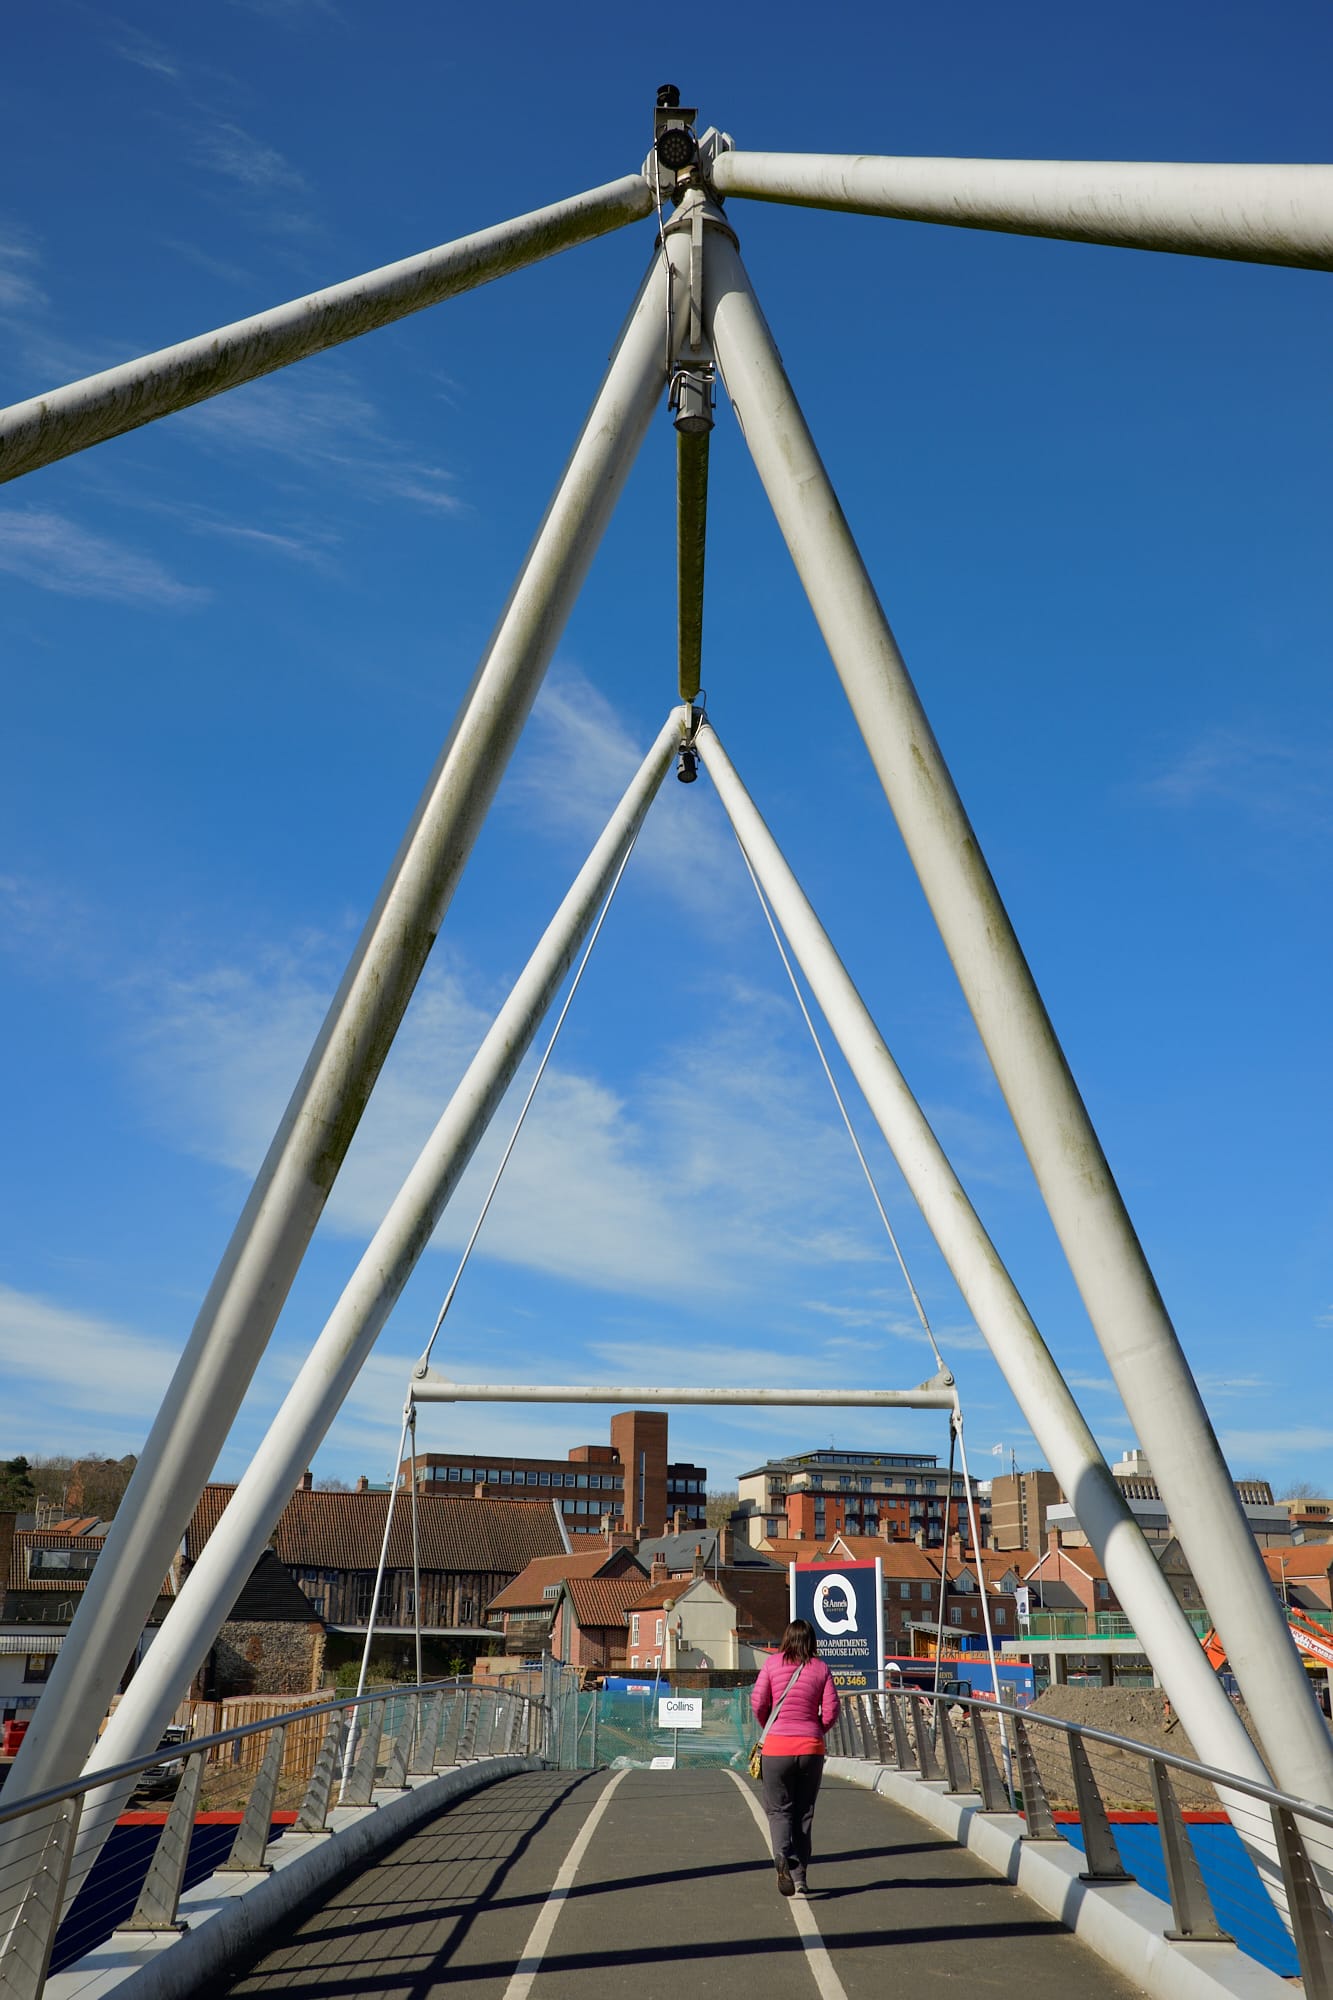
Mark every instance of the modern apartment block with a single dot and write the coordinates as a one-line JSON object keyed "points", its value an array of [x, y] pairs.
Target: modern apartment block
{"points": [[1270, 1523], [630, 1478], [1311, 1519], [817, 1494]]}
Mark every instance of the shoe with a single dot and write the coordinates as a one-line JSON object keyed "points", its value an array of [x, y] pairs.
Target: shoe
{"points": [[799, 1886], [786, 1887]]}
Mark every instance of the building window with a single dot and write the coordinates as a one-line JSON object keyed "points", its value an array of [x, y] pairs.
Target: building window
{"points": [[37, 1666], [506, 1478], [904, 1590], [581, 1479], [543, 1478], [660, 1624], [634, 1628]]}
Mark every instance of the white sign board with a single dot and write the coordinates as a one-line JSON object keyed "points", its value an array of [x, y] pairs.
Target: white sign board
{"points": [[1023, 1600], [680, 1712]]}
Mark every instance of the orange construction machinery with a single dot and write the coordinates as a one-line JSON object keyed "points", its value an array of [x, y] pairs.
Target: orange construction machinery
{"points": [[1314, 1642]]}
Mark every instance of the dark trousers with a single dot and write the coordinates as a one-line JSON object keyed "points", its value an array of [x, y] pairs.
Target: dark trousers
{"points": [[791, 1786]]}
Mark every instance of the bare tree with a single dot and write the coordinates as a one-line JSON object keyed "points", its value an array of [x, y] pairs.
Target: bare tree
{"points": [[1300, 1489], [719, 1507]]}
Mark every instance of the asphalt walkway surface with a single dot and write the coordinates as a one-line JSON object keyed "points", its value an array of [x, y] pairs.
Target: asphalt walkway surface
{"points": [[657, 1885]]}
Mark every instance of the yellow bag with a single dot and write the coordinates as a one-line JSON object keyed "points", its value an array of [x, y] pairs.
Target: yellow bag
{"points": [[756, 1765]]}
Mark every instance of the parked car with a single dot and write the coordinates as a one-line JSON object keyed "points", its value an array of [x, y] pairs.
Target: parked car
{"points": [[161, 1781]]}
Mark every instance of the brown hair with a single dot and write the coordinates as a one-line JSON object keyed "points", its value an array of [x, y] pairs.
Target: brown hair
{"points": [[799, 1643]]}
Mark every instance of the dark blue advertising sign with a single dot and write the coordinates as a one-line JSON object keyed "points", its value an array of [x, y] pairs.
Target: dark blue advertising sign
{"points": [[845, 1604]]}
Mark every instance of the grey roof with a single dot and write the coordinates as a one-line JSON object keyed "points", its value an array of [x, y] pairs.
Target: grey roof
{"points": [[678, 1551]]}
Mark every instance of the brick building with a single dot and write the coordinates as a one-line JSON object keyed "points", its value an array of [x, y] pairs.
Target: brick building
{"points": [[330, 1543], [817, 1494], [629, 1479], [46, 1575], [524, 1612], [1018, 1503]]}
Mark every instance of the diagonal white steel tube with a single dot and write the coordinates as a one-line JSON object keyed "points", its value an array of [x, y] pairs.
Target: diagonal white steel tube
{"points": [[339, 1354], [1255, 214], [102, 406], [1005, 1323], [1085, 1205], [288, 1197]]}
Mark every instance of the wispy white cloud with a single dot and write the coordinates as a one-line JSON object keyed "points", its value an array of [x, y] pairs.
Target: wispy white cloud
{"points": [[1215, 1385], [292, 13], [1260, 776], [685, 845], [81, 1363], [53, 552], [605, 1183], [323, 427], [217, 267], [134, 46], [19, 290], [1283, 1441], [1090, 1385], [227, 149]]}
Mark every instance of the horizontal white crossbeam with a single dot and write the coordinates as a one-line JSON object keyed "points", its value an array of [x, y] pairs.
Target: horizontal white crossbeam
{"points": [[433, 1388], [1256, 214]]}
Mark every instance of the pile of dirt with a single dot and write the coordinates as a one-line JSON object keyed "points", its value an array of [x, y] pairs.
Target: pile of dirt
{"points": [[1141, 1714]]}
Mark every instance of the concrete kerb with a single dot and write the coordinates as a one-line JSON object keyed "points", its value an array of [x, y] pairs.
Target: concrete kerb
{"points": [[230, 1917], [1121, 1922]]}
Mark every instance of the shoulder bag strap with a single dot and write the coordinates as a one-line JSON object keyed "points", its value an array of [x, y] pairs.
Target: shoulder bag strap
{"points": [[778, 1707]]}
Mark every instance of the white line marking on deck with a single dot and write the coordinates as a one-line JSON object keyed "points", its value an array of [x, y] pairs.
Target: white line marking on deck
{"points": [[816, 1951], [530, 1964]]}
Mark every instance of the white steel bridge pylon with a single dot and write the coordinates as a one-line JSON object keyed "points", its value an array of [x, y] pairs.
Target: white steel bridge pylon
{"points": [[696, 313]]}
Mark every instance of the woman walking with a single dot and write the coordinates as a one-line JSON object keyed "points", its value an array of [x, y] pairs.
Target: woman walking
{"points": [[796, 1698]]}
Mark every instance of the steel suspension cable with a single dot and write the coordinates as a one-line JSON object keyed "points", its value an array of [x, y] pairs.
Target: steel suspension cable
{"points": [[838, 1099], [440, 1317]]}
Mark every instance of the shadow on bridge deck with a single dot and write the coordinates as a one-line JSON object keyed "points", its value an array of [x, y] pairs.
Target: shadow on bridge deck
{"points": [[670, 1892]]}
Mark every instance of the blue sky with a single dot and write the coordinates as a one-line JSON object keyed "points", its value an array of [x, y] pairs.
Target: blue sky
{"points": [[1092, 488]]}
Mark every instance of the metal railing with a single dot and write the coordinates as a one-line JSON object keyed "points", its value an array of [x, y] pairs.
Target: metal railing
{"points": [[379, 1741], [903, 1732]]}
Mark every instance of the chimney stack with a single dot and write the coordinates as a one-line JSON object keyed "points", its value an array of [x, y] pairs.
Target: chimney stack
{"points": [[307, 1481], [678, 1521], [362, 1483], [698, 1559], [658, 1572]]}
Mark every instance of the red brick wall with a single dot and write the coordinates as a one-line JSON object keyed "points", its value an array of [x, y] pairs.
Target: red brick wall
{"points": [[642, 1434]]}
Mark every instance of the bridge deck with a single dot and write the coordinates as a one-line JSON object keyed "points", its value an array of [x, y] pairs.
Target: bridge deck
{"points": [[668, 1890]]}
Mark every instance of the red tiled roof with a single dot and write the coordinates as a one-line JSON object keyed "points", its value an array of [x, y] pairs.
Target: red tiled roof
{"points": [[666, 1592], [1302, 1559], [602, 1600], [900, 1559], [530, 1588], [344, 1531]]}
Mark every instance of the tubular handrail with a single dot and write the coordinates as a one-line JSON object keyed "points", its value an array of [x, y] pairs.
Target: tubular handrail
{"points": [[1303, 1896], [1210, 1772], [39, 1834], [177, 1752]]}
